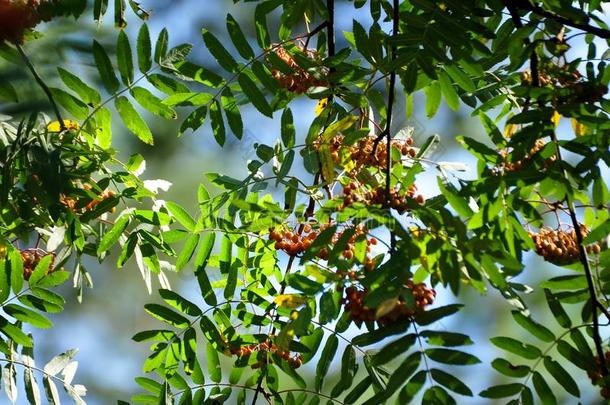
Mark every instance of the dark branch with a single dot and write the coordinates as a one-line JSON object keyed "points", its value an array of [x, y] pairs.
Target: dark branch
{"points": [[600, 32], [42, 84]]}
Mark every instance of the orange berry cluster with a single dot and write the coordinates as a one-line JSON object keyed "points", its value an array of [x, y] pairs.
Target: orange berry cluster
{"points": [[597, 377], [559, 246], [71, 202], [293, 243], [300, 80], [354, 304], [294, 361], [565, 77], [397, 199], [523, 162], [31, 258], [16, 17], [361, 153]]}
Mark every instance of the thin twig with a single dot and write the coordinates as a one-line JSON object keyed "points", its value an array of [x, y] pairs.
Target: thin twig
{"points": [[42, 84]]}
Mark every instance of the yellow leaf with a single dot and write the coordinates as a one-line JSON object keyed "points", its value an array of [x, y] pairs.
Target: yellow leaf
{"points": [[509, 130], [321, 106], [290, 300], [69, 124], [555, 119], [579, 128], [385, 307]]}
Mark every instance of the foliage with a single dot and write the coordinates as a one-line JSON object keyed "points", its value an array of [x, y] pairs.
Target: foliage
{"points": [[326, 249]]}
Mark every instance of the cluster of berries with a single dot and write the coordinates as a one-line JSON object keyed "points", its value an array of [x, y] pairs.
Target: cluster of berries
{"points": [[597, 377], [72, 203], [16, 17], [300, 80], [31, 258], [364, 153], [293, 243], [523, 162], [244, 351], [559, 246], [359, 312], [398, 199], [566, 78]]}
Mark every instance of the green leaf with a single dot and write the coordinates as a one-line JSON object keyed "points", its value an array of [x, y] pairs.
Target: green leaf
{"points": [[167, 315], [574, 356], [502, 391], [450, 382], [287, 128], [358, 390], [13, 332], [516, 347], [144, 49], [542, 388], [533, 327], [571, 282], [88, 94], [5, 286], [437, 395], [505, 367], [562, 376], [328, 353], [187, 251], [70, 103], [103, 130], [450, 356], [459, 204], [348, 371], [561, 316], [254, 95], [597, 234], [447, 339], [219, 51], [124, 58], [397, 379], [413, 387], [161, 46], [460, 78], [393, 349], [213, 363], [433, 315], [181, 304], [119, 14], [194, 120], [41, 269], [27, 316], [200, 265], [433, 98], [218, 125], [104, 67], [238, 38], [232, 112], [451, 96], [152, 103], [178, 212], [132, 120], [111, 237]]}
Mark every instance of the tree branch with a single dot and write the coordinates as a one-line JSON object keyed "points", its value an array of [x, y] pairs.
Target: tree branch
{"points": [[42, 84], [600, 32]]}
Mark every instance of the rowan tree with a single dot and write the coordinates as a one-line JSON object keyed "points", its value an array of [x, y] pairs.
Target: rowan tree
{"points": [[328, 254]]}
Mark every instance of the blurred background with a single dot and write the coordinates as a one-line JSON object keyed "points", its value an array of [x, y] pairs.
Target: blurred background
{"points": [[101, 326]]}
